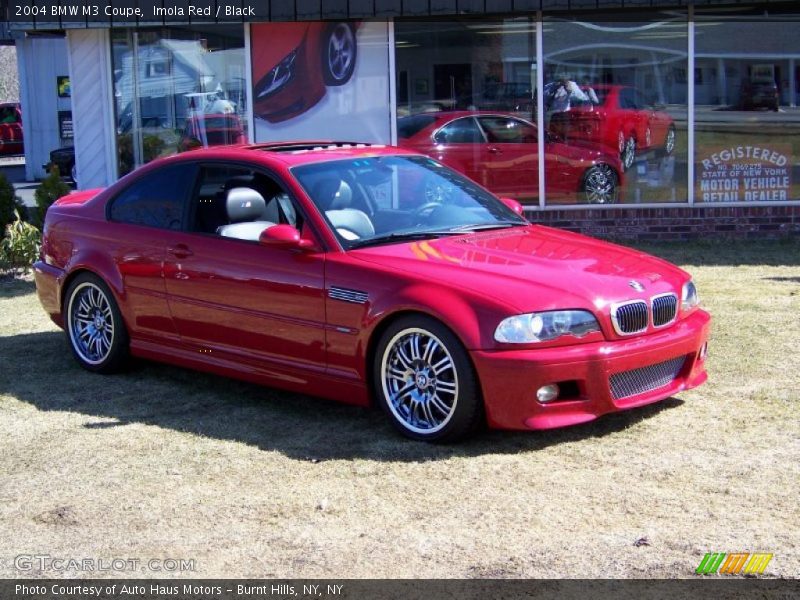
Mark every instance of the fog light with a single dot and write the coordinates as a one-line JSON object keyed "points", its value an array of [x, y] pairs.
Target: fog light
{"points": [[547, 393], [703, 351]]}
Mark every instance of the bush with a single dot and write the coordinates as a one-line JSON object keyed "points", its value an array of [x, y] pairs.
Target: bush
{"points": [[8, 202], [50, 190], [20, 246]]}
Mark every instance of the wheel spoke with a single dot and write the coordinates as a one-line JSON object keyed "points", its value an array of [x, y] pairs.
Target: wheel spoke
{"points": [[430, 348], [396, 373], [439, 404], [443, 364], [415, 353], [445, 386], [426, 411]]}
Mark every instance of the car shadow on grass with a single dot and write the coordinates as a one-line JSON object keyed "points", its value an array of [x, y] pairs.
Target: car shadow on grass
{"points": [[42, 373]]}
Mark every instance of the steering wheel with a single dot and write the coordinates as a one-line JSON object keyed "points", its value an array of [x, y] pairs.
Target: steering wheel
{"points": [[425, 210]]}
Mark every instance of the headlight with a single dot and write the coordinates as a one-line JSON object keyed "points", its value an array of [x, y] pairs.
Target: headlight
{"points": [[545, 326], [279, 76], [689, 298]]}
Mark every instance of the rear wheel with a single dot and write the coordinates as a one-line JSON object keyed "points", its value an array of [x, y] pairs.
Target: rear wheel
{"points": [[425, 382], [629, 153], [94, 326], [669, 141]]}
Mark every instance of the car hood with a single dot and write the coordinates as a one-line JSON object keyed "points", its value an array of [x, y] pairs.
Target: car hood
{"points": [[533, 268]]}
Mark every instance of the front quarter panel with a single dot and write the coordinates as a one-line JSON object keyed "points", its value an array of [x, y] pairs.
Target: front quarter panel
{"points": [[353, 328]]}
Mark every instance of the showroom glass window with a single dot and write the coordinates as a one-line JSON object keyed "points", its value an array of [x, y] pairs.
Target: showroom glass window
{"points": [[747, 86], [177, 89], [465, 96], [615, 98]]}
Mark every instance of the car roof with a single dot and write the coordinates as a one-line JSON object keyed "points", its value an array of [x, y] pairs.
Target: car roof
{"points": [[291, 154]]}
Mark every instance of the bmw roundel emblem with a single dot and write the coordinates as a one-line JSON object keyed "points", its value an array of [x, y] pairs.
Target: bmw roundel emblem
{"points": [[636, 285]]}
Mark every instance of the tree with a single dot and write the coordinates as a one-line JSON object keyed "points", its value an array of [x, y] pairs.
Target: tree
{"points": [[50, 190]]}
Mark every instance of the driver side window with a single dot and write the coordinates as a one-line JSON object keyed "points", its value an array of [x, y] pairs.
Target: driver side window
{"points": [[156, 200], [240, 203]]}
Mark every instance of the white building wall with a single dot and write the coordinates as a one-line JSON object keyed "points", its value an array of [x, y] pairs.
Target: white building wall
{"points": [[92, 107], [40, 61]]}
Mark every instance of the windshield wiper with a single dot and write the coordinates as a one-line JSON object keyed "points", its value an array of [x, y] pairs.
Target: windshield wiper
{"points": [[401, 236], [482, 226]]}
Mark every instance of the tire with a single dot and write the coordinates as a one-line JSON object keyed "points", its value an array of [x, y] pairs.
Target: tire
{"points": [[73, 174], [600, 184], [669, 141], [93, 323], [339, 53], [628, 155], [424, 402]]}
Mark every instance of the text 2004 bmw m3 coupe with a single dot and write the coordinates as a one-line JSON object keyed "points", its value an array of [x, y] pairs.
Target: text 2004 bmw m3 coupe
{"points": [[366, 274]]}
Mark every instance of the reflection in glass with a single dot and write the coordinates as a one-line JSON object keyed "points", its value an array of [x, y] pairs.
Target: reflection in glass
{"points": [[177, 89], [465, 96], [746, 77], [618, 89]]}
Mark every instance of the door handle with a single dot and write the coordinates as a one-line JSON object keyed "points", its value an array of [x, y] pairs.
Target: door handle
{"points": [[180, 251], [495, 150]]}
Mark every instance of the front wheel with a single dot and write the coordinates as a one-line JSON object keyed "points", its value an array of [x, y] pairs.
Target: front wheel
{"points": [[600, 184], [339, 51], [94, 325], [425, 382]]}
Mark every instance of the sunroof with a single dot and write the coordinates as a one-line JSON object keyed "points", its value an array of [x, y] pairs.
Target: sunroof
{"points": [[307, 146]]}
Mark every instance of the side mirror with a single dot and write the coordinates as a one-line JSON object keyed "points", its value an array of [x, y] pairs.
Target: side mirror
{"points": [[283, 236], [512, 204]]}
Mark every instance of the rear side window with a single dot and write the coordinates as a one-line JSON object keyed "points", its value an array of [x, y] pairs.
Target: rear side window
{"points": [[410, 126], [155, 200], [460, 131]]}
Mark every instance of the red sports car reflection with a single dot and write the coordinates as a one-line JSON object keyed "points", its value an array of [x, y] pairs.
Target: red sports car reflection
{"points": [[622, 120], [211, 130], [11, 139], [501, 152], [293, 64]]}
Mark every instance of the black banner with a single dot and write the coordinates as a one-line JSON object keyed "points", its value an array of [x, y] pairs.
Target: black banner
{"points": [[716, 588]]}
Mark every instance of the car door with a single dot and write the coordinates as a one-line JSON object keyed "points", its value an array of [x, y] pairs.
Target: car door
{"points": [[237, 298], [513, 169], [141, 219], [461, 145]]}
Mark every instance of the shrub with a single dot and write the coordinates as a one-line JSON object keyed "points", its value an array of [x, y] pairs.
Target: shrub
{"points": [[20, 246], [50, 190], [8, 202]]}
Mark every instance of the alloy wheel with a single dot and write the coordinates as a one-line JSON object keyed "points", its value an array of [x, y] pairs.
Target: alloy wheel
{"points": [[600, 185], [419, 381], [341, 52], [91, 323]]}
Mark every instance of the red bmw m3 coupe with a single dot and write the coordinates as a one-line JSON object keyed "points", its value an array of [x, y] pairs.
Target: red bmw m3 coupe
{"points": [[329, 269]]}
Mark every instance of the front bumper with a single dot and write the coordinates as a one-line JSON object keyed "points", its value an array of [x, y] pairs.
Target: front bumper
{"points": [[509, 379]]}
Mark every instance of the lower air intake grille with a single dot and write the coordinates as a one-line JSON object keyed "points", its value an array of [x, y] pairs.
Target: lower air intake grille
{"points": [[645, 379]]}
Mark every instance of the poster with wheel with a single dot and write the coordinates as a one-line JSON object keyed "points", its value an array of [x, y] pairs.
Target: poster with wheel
{"points": [[321, 80]]}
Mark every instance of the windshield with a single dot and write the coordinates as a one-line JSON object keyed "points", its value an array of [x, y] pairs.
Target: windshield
{"points": [[382, 199]]}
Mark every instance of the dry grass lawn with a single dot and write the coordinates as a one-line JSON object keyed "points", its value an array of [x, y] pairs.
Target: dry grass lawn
{"points": [[163, 462]]}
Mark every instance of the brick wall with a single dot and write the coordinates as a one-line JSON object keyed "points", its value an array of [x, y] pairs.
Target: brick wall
{"points": [[718, 222]]}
